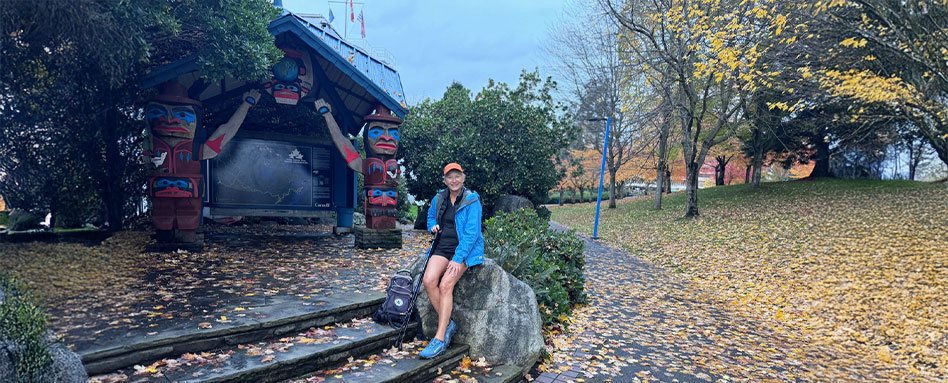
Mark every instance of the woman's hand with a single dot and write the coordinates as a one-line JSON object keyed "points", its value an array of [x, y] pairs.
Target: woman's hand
{"points": [[453, 270], [435, 229]]}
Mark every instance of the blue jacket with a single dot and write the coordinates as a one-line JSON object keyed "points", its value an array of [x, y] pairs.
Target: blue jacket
{"points": [[470, 250]]}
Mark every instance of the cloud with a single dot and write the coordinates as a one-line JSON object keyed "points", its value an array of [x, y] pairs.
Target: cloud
{"points": [[438, 42]]}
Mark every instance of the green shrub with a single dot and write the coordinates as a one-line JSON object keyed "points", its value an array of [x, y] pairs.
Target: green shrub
{"points": [[550, 262], [4, 218], [24, 220], [544, 213], [24, 324], [402, 206]]}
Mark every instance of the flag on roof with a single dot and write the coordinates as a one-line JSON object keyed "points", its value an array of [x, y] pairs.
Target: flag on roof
{"points": [[352, 12], [362, 21], [331, 17]]}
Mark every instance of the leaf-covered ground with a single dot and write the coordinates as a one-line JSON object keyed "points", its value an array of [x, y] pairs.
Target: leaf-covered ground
{"points": [[846, 278], [118, 285]]}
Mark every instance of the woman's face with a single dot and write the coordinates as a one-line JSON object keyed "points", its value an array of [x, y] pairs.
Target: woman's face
{"points": [[454, 180]]}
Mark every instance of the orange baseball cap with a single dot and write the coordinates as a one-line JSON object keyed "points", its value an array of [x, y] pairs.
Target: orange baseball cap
{"points": [[452, 166]]}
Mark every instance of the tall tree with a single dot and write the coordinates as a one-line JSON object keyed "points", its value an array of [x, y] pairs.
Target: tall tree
{"points": [[662, 174], [75, 67], [504, 138], [588, 56], [881, 61], [708, 51]]}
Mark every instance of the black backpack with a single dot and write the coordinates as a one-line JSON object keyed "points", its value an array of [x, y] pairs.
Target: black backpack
{"points": [[397, 309]]}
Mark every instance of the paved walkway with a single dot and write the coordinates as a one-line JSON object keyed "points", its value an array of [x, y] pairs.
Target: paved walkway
{"points": [[645, 325]]}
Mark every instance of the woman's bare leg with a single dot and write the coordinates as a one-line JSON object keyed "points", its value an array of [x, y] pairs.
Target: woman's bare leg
{"points": [[447, 301], [436, 267]]}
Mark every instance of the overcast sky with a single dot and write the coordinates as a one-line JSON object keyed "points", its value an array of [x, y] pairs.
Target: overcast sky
{"points": [[437, 42]]}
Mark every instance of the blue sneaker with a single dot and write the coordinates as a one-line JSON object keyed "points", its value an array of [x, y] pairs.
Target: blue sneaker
{"points": [[452, 327], [435, 348]]}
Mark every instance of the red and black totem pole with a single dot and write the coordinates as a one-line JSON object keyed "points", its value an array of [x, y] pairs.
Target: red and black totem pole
{"points": [[175, 182], [379, 166]]}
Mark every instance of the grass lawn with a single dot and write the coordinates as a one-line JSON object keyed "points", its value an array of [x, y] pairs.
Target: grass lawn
{"points": [[73, 230], [858, 265]]}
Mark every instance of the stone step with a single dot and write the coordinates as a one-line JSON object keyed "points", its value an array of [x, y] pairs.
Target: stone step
{"points": [[288, 357], [272, 318], [393, 367]]}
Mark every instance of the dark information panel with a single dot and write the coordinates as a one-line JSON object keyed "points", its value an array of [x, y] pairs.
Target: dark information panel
{"points": [[269, 174]]}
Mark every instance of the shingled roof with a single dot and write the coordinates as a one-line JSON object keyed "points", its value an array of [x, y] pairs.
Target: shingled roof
{"points": [[345, 75]]}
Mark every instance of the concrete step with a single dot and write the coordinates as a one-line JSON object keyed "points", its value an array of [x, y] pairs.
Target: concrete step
{"points": [[272, 318], [288, 357], [389, 368]]}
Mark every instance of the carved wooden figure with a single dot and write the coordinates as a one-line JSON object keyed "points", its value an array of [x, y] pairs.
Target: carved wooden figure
{"points": [[292, 77], [175, 183], [379, 166]]}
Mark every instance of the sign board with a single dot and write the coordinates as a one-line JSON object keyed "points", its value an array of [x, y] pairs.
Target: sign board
{"points": [[267, 174]]}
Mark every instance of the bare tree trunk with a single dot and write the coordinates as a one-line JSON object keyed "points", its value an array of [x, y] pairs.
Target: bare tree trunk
{"points": [[720, 170], [661, 178], [938, 141], [612, 189], [821, 167], [915, 157], [691, 189], [912, 168], [758, 165], [668, 180], [659, 182], [747, 174], [110, 180]]}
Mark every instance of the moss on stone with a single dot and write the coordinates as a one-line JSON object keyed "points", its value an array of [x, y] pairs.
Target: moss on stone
{"points": [[23, 326]]}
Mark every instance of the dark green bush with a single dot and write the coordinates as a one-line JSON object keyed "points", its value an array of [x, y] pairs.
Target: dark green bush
{"points": [[544, 213], [23, 324], [550, 262], [24, 220], [403, 207]]}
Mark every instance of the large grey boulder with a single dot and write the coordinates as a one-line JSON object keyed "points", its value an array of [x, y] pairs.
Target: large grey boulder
{"points": [[510, 204], [66, 366], [497, 315]]}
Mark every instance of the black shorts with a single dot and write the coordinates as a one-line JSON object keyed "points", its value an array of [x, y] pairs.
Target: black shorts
{"points": [[449, 259]]}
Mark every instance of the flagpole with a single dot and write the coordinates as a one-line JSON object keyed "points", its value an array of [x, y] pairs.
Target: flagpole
{"points": [[347, 15]]}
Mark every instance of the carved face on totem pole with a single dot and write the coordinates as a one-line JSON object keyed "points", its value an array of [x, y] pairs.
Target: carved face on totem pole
{"points": [[292, 77], [380, 202], [172, 114], [381, 168], [382, 138]]}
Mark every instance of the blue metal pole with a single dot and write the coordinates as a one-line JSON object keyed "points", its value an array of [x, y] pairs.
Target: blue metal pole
{"points": [[602, 171]]}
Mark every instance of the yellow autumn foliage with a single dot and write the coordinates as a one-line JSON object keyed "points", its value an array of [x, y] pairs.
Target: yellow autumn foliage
{"points": [[857, 267]]}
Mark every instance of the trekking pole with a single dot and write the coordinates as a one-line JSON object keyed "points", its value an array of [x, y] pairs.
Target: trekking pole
{"points": [[415, 290]]}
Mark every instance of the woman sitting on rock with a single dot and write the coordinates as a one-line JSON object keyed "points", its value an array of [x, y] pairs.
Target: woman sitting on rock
{"points": [[455, 212]]}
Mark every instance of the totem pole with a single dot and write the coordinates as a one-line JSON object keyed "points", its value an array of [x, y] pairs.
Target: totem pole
{"points": [[379, 167], [292, 77], [175, 183]]}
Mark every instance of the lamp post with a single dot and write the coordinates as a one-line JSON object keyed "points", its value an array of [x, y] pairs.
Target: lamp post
{"points": [[602, 171]]}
